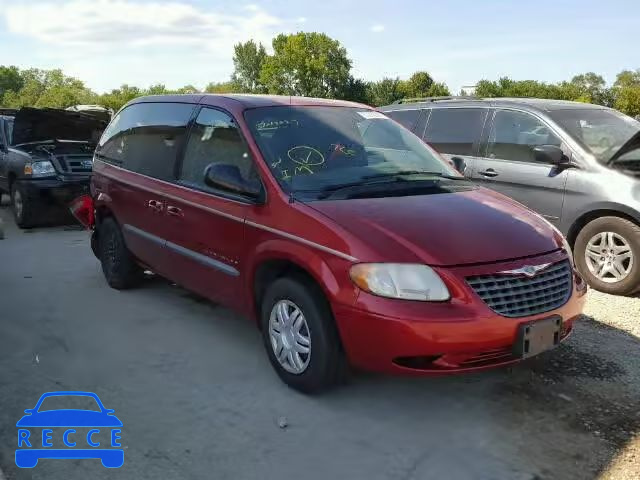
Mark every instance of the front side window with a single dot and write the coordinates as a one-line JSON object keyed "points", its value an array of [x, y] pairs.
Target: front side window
{"points": [[146, 137], [215, 139], [316, 148], [514, 135], [454, 130]]}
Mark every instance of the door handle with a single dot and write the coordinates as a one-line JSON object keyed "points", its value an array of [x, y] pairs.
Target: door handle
{"points": [[489, 172], [155, 205], [175, 211]]}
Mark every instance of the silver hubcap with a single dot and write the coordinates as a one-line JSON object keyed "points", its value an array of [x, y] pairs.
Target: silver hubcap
{"points": [[609, 257], [17, 203], [290, 337]]}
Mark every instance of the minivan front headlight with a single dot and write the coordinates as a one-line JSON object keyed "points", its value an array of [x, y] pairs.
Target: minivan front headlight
{"points": [[400, 280]]}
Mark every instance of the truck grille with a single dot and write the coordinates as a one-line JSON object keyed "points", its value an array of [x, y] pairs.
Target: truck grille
{"points": [[521, 296], [75, 163]]}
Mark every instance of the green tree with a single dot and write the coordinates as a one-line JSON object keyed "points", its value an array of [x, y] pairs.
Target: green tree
{"points": [[356, 90], [628, 78], [10, 80], [48, 88], [248, 59], [592, 88], [118, 97], [418, 85], [307, 64], [386, 91], [222, 87], [188, 89]]}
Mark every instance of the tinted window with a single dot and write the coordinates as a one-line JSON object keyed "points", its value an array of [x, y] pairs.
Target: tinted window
{"points": [[454, 130], [215, 138], [514, 134], [406, 118], [145, 138]]}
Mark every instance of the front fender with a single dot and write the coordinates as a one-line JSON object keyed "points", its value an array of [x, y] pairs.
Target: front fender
{"points": [[330, 272]]}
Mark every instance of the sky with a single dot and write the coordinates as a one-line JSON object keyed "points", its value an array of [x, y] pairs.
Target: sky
{"points": [[107, 43]]}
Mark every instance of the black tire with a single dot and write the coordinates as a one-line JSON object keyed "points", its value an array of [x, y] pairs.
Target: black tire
{"points": [[24, 211], [327, 363], [118, 265], [626, 229]]}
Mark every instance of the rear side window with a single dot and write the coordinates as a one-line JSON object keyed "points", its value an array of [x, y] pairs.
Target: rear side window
{"points": [[406, 118], [146, 137], [454, 130], [215, 138]]}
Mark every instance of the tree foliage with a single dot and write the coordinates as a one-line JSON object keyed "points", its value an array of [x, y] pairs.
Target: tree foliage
{"points": [[248, 60], [307, 64]]}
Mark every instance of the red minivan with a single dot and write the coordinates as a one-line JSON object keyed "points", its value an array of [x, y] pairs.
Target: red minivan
{"points": [[349, 240]]}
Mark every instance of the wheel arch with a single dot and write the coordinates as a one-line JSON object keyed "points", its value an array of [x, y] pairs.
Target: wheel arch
{"points": [[283, 258], [619, 211]]}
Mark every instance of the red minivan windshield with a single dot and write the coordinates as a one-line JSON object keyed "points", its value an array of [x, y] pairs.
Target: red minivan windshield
{"points": [[315, 148]]}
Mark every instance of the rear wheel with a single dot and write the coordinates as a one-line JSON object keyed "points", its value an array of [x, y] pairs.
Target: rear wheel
{"points": [[300, 336], [118, 265], [607, 254], [22, 206]]}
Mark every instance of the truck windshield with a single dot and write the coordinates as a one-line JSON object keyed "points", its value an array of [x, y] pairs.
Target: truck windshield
{"points": [[602, 132], [313, 148]]}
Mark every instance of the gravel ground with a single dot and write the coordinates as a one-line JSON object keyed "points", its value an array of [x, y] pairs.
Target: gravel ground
{"points": [[623, 314]]}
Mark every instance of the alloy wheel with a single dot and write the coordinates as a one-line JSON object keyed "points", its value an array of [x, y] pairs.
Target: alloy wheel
{"points": [[609, 257], [290, 336]]}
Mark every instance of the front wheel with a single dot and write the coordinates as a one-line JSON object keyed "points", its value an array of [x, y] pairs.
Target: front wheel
{"points": [[300, 335], [22, 206], [607, 254]]}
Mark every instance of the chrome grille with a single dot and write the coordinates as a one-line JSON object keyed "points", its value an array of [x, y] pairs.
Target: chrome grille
{"points": [[520, 296]]}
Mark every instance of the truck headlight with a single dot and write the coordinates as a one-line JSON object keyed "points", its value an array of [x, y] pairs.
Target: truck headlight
{"points": [[42, 168], [400, 280]]}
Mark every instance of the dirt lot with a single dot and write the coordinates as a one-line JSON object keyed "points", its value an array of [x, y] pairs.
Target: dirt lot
{"points": [[198, 399]]}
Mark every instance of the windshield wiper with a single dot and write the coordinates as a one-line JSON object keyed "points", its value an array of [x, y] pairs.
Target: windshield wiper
{"points": [[379, 179], [412, 172]]}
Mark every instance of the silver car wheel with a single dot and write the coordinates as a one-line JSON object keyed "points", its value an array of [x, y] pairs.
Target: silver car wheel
{"points": [[290, 336], [609, 257]]}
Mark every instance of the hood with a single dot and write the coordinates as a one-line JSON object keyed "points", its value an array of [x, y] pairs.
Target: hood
{"points": [[478, 226], [40, 124], [632, 144]]}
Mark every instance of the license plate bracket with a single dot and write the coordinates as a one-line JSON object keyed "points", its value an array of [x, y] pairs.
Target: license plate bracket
{"points": [[538, 336]]}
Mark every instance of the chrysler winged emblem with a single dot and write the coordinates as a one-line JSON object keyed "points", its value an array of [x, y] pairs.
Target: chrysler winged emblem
{"points": [[527, 270]]}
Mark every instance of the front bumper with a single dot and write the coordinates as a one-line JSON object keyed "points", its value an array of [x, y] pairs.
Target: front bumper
{"points": [[53, 195], [463, 334]]}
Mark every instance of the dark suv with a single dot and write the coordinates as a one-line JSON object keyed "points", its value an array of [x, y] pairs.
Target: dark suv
{"points": [[45, 160], [576, 164]]}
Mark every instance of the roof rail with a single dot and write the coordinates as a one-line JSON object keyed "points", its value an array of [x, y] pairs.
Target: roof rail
{"points": [[435, 99]]}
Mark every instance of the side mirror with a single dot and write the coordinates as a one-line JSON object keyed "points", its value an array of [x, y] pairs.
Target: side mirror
{"points": [[459, 164], [228, 178], [550, 154]]}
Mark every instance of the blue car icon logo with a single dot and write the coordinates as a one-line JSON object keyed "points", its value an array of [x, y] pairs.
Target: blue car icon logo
{"points": [[89, 432]]}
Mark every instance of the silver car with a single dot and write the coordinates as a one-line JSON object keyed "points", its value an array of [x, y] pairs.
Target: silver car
{"points": [[576, 164]]}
